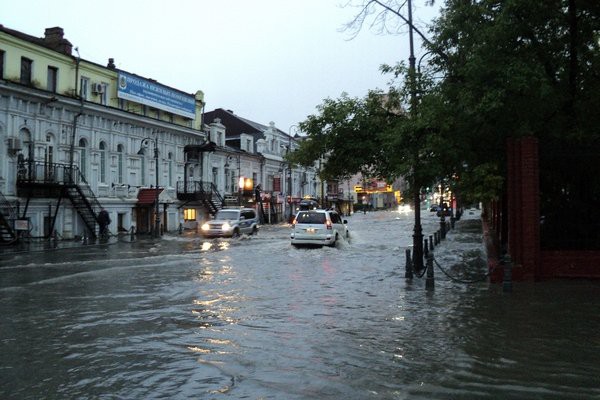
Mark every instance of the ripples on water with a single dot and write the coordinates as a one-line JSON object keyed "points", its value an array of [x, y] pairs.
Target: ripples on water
{"points": [[257, 318]]}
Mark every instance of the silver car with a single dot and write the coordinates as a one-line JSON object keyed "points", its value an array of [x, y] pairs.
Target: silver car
{"points": [[318, 227], [231, 222]]}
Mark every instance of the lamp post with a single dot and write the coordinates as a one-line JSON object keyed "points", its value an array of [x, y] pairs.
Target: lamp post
{"points": [[156, 206], [418, 230], [289, 148]]}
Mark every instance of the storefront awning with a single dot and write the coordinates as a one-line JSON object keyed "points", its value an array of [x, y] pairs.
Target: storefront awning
{"points": [[146, 197]]}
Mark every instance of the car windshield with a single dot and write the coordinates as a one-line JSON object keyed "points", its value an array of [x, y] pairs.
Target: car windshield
{"points": [[227, 214], [310, 218]]}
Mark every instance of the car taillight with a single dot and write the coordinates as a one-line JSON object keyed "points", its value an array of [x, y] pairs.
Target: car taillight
{"points": [[328, 224]]}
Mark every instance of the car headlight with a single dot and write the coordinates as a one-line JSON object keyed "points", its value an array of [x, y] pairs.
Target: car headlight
{"points": [[226, 226], [205, 227]]}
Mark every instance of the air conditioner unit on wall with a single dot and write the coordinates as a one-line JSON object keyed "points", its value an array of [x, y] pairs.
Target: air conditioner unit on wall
{"points": [[13, 144], [98, 88]]}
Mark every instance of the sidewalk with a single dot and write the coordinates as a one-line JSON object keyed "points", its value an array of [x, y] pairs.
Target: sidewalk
{"points": [[462, 255], [41, 245]]}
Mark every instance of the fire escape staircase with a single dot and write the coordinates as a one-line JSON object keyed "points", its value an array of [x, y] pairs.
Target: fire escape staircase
{"points": [[204, 192], [41, 179], [7, 219], [85, 202]]}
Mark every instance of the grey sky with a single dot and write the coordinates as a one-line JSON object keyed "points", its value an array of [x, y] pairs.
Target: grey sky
{"points": [[267, 60]]}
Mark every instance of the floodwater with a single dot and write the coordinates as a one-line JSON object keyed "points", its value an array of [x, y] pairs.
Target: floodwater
{"points": [[255, 318]]}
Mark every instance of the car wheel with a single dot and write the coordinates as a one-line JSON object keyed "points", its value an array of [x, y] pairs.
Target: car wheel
{"points": [[334, 241], [236, 233], [254, 231]]}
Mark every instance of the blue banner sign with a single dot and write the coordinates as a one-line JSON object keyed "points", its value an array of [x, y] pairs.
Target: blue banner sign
{"points": [[139, 90]]}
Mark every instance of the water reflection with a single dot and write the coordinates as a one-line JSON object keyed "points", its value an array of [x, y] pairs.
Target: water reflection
{"points": [[259, 319]]}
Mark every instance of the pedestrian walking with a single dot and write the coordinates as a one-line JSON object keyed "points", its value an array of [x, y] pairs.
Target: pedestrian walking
{"points": [[103, 221]]}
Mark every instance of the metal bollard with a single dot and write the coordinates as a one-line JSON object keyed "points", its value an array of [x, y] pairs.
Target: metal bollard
{"points": [[442, 227], [452, 222], [431, 242], [507, 277], [132, 230], [429, 281], [408, 274], [425, 247]]}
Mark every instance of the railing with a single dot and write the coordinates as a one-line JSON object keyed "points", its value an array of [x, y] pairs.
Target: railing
{"points": [[41, 172], [6, 208], [87, 191], [215, 193], [193, 187]]}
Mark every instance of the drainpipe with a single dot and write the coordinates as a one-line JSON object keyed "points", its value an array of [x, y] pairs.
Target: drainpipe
{"points": [[79, 114]]}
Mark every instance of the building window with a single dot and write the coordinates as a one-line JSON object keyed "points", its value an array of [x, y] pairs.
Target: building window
{"points": [[120, 163], [170, 169], [143, 172], [26, 64], [249, 145], [215, 174], [1, 64], [104, 94], [83, 158], [102, 162], [52, 77], [85, 88], [229, 180], [189, 214]]}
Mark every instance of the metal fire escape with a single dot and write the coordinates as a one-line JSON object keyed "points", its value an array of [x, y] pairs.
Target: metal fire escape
{"points": [[190, 190], [204, 192], [7, 221], [37, 179]]}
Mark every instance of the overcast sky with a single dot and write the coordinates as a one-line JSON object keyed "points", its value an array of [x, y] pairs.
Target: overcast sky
{"points": [[267, 60]]}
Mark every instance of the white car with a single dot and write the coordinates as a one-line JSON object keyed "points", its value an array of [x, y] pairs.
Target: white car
{"points": [[318, 227], [231, 222]]}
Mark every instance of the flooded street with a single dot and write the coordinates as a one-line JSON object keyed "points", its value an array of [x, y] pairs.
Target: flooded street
{"points": [[256, 318]]}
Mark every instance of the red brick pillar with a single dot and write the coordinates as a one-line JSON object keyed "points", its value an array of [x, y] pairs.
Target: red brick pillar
{"points": [[513, 197], [523, 207], [530, 208]]}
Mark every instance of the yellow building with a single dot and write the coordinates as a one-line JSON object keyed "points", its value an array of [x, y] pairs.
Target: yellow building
{"points": [[70, 137]]}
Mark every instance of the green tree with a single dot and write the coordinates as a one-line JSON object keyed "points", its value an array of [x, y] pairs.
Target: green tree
{"points": [[496, 70]]}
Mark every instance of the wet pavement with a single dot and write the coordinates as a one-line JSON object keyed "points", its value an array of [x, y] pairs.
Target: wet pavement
{"points": [[183, 317]]}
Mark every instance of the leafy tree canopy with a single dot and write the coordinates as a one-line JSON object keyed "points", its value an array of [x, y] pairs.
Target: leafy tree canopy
{"points": [[497, 69]]}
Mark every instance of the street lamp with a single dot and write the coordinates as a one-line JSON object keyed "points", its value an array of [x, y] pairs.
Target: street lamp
{"points": [[142, 152]]}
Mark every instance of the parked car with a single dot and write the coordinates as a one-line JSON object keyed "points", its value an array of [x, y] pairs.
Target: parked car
{"points": [[231, 222], [318, 227]]}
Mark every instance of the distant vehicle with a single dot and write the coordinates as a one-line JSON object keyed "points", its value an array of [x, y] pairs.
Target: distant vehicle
{"points": [[308, 204], [231, 222], [318, 227]]}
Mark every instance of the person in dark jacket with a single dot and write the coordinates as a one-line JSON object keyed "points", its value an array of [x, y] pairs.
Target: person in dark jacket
{"points": [[103, 221]]}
